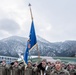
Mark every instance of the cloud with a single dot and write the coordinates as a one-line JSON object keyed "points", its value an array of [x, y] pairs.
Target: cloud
{"points": [[4, 34], [9, 26], [54, 20], [14, 9]]}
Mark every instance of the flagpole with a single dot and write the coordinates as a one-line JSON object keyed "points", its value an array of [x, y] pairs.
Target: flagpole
{"points": [[32, 20], [38, 52], [31, 11]]}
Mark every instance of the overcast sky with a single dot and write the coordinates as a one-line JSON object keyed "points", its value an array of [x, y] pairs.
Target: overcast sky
{"points": [[54, 20]]}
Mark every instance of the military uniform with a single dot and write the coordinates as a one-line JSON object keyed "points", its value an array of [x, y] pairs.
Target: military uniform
{"points": [[71, 69], [3, 70], [15, 70], [40, 71], [8, 69], [72, 72], [61, 72], [75, 72], [48, 70], [22, 69], [35, 71], [29, 71]]}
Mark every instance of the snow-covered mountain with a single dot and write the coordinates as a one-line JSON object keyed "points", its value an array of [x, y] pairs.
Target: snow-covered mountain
{"points": [[15, 45]]}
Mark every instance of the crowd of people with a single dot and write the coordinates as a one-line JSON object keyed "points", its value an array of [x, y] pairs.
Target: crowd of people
{"points": [[41, 68]]}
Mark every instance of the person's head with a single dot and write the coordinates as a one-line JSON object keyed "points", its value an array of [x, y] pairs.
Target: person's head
{"points": [[58, 65], [63, 65], [16, 63], [52, 64], [3, 62], [49, 63], [29, 63], [35, 64], [44, 63], [71, 66]]}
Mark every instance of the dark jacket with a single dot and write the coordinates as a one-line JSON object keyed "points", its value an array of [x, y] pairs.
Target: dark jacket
{"points": [[61, 72], [3, 70], [15, 70], [29, 71]]}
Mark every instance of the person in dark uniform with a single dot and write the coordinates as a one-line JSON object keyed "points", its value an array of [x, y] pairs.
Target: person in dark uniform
{"points": [[29, 69], [22, 68], [42, 68], [3, 68], [49, 68], [59, 70], [71, 68], [15, 69]]}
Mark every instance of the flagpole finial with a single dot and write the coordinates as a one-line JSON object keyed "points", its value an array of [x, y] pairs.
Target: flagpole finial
{"points": [[30, 11], [29, 4]]}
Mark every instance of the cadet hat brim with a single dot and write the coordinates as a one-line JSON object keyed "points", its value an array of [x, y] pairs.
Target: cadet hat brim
{"points": [[16, 61], [29, 62], [44, 60], [58, 60]]}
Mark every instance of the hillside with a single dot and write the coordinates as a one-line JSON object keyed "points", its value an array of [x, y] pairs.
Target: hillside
{"points": [[15, 45]]}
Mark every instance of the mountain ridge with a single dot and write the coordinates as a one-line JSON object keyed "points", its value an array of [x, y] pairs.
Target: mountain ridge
{"points": [[15, 45]]}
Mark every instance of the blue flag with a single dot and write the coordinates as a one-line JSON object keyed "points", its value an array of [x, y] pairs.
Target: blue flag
{"points": [[31, 42]]}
